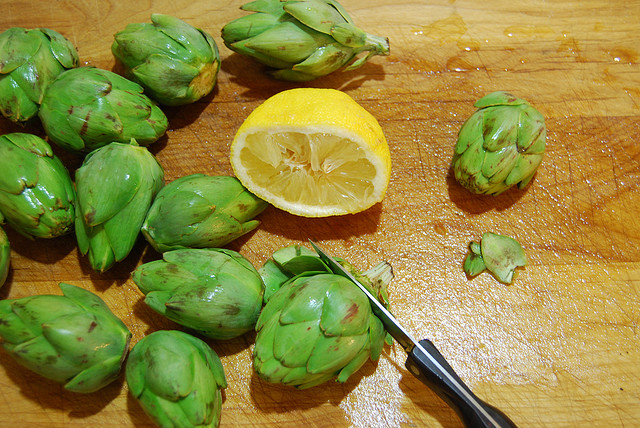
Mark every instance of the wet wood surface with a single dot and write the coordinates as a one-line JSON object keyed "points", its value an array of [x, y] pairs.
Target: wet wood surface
{"points": [[559, 347]]}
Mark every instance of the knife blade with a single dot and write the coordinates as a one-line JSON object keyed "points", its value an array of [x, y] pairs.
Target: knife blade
{"points": [[427, 364]]}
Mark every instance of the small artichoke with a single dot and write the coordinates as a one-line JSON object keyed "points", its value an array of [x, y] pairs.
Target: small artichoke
{"points": [[72, 339], [175, 62], [498, 254], [215, 292], [201, 211], [37, 197], [29, 61], [177, 379], [115, 186], [5, 256], [86, 108], [500, 145], [303, 40], [318, 325]]}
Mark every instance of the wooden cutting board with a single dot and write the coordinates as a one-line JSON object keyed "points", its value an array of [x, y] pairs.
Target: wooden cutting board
{"points": [[559, 347]]}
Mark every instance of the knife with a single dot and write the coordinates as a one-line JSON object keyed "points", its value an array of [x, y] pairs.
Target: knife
{"points": [[427, 364]]}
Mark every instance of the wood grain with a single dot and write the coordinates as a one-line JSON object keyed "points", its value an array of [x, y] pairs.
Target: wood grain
{"points": [[557, 348]]}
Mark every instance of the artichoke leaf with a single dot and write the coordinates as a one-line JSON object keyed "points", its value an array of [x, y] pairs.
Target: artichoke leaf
{"points": [[286, 42], [15, 108], [165, 360], [40, 357], [187, 36], [470, 133], [244, 47], [128, 49], [273, 277], [24, 174], [95, 377], [124, 227], [175, 75], [332, 353], [524, 170], [212, 359], [500, 127], [324, 60], [62, 49], [289, 349], [248, 26], [315, 14], [346, 311], [106, 183], [497, 165], [531, 132], [271, 7], [306, 301], [499, 98], [17, 45], [354, 365], [349, 35]]}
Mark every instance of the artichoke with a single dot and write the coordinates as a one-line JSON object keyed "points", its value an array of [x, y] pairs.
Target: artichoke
{"points": [[215, 292], [498, 254], [37, 197], [174, 62], [177, 379], [318, 325], [200, 211], [86, 108], [5, 256], [72, 339], [116, 185], [29, 61], [500, 145], [303, 40]]}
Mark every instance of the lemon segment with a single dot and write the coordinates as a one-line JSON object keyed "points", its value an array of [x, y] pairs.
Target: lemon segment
{"points": [[312, 152]]}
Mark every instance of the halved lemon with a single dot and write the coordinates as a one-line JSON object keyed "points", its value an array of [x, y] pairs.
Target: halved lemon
{"points": [[313, 152]]}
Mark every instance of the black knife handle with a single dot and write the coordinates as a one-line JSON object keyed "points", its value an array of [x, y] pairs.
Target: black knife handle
{"points": [[422, 367]]}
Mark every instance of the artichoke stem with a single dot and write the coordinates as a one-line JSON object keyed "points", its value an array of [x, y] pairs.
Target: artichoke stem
{"points": [[380, 275], [377, 43]]}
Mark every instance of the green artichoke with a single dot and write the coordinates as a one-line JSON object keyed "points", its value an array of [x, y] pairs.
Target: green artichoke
{"points": [[175, 62], [72, 339], [86, 108], [177, 379], [498, 254], [215, 292], [29, 61], [317, 325], [116, 185], [201, 211], [37, 197], [303, 40], [500, 145], [5, 256]]}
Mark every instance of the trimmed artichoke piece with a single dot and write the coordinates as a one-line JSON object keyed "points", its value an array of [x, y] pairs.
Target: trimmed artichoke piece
{"points": [[501, 145], [177, 379], [29, 61], [116, 185], [215, 292], [288, 262], [37, 196], [86, 108], [498, 254], [317, 325], [5, 256], [201, 211], [175, 62], [301, 39], [72, 339]]}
